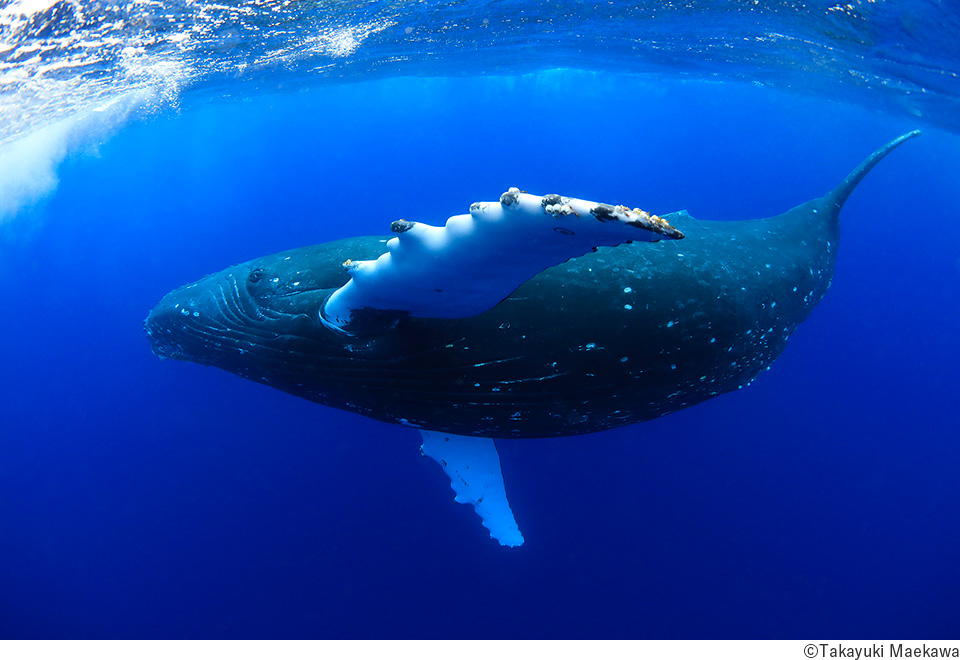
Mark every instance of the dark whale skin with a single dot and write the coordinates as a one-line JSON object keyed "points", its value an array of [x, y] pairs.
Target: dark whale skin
{"points": [[615, 337]]}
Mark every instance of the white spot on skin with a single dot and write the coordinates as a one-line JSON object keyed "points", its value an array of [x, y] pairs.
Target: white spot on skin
{"points": [[628, 290], [196, 314], [628, 306]]}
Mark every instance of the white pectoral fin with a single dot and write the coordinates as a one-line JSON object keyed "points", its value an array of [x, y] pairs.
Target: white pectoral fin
{"points": [[473, 466], [477, 259]]}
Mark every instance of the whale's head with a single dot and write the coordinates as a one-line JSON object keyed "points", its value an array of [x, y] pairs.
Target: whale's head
{"points": [[253, 318]]}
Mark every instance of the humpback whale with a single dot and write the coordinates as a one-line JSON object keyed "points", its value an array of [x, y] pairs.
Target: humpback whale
{"points": [[529, 317]]}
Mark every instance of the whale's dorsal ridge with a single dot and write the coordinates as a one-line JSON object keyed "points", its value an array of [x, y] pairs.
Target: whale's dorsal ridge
{"points": [[678, 216]]}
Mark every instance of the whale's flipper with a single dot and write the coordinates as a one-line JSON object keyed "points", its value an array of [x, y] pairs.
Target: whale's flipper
{"points": [[477, 259], [473, 466]]}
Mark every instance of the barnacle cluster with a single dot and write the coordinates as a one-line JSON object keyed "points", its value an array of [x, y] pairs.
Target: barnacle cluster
{"points": [[651, 221], [559, 209], [556, 206]]}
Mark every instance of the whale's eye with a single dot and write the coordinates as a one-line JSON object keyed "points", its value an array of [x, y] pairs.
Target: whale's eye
{"points": [[255, 276]]}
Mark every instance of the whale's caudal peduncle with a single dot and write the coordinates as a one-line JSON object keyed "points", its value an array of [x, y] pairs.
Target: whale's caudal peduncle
{"points": [[494, 326], [840, 194]]}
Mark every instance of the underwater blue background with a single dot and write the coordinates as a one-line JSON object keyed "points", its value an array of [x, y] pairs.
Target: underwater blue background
{"points": [[148, 498]]}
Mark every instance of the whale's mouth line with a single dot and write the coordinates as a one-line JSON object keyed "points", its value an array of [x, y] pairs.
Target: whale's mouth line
{"points": [[299, 291]]}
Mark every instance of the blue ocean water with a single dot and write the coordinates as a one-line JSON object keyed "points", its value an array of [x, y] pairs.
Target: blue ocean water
{"points": [[148, 498]]}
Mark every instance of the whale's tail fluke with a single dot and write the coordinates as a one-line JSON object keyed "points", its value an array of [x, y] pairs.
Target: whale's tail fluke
{"points": [[840, 194]]}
